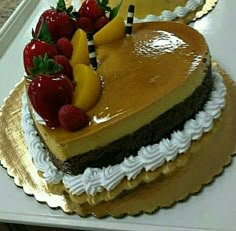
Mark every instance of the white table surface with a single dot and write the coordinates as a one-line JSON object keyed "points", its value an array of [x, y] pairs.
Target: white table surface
{"points": [[214, 208]]}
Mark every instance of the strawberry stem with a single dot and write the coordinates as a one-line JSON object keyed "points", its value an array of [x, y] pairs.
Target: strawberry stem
{"points": [[104, 5], [45, 65], [113, 12], [28, 77], [44, 34], [61, 5]]}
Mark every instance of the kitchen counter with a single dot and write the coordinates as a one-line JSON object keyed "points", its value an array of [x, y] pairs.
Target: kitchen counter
{"points": [[6, 9]]}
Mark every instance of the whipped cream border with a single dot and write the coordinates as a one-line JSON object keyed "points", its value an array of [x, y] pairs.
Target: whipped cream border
{"points": [[167, 15], [95, 180]]}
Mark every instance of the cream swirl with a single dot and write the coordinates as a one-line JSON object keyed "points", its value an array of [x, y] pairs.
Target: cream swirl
{"points": [[168, 147], [205, 119], [151, 157], [194, 129], [52, 175], [193, 5], [132, 166], [179, 12], [213, 109], [111, 176], [182, 140], [95, 180]]}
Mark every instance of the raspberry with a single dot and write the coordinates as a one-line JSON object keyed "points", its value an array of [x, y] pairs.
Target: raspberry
{"points": [[101, 22], [65, 47], [72, 118], [65, 63], [86, 24]]}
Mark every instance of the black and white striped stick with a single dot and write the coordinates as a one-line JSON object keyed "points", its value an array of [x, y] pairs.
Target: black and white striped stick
{"points": [[92, 51], [130, 20]]}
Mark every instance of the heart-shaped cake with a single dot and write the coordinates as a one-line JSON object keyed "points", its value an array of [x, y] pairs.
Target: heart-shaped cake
{"points": [[108, 121], [153, 81]]}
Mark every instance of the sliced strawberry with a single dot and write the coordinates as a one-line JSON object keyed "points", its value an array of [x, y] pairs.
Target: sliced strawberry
{"points": [[48, 94], [59, 21], [66, 66], [86, 24], [72, 118], [65, 47]]}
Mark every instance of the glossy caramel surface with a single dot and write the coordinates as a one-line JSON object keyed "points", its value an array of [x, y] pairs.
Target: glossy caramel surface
{"points": [[141, 69], [143, 75]]}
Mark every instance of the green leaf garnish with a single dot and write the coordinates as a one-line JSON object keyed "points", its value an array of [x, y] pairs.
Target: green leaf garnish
{"points": [[115, 10]]}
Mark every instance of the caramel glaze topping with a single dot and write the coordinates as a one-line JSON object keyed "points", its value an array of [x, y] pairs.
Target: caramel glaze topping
{"points": [[144, 75]]}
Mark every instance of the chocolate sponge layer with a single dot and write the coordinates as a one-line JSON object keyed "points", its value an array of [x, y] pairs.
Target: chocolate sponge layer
{"points": [[115, 152]]}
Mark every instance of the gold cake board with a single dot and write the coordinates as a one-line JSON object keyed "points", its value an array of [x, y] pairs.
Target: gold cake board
{"points": [[207, 158], [204, 10]]}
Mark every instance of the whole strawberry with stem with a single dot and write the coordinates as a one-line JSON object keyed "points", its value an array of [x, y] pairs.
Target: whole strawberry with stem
{"points": [[93, 9], [38, 46], [60, 21], [92, 14], [47, 94], [59, 64]]}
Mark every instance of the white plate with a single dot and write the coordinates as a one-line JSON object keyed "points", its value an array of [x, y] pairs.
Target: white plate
{"points": [[214, 208]]}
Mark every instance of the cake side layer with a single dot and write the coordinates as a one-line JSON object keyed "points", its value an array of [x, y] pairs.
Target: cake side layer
{"points": [[93, 180], [128, 145], [186, 55], [165, 10]]}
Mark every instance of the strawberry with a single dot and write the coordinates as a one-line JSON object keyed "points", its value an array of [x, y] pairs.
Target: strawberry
{"points": [[38, 46], [72, 118], [48, 94], [91, 9], [34, 49], [59, 21], [92, 14], [85, 23], [65, 47], [44, 65], [66, 66], [101, 22]]}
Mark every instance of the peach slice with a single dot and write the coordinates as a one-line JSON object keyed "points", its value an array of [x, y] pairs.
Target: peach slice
{"points": [[80, 48], [111, 32], [88, 87]]}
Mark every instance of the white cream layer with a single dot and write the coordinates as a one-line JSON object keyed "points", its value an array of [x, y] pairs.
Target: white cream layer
{"points": [[179, 12], [95, 180]]}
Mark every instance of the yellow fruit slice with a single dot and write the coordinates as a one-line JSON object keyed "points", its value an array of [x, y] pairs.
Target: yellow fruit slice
{"points": [[88, 87], [112, 31], [80, 48]]}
